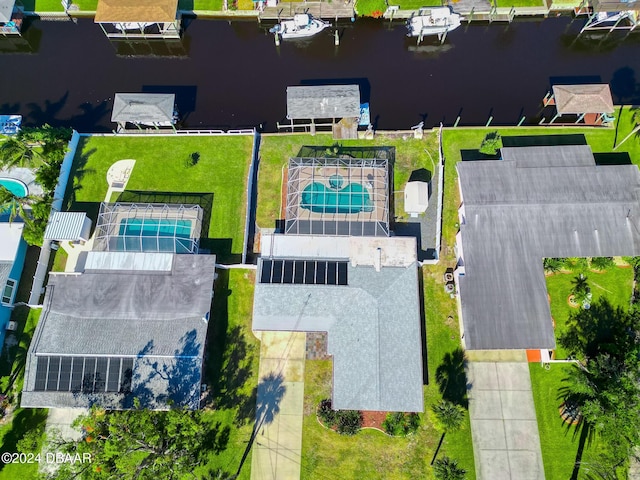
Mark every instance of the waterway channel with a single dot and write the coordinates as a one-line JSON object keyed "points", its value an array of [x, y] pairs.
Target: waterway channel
{"points": [[231, 75]]}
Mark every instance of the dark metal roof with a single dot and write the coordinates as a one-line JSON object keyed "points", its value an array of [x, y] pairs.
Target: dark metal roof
{"points": [[516, 214], [323, 101]]}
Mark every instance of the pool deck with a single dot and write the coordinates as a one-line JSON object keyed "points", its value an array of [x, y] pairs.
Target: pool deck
{"points": [[26, 176]]}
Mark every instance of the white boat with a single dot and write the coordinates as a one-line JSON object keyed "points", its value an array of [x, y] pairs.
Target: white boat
{"points": [[132, 26], [302, 26], [432, 21]]}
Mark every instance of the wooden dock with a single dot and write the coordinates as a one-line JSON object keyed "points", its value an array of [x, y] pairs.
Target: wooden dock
{"points": [[335, 10]]}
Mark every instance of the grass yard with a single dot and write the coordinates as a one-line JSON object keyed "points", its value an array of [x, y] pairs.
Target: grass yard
{"points": [[231, 372], [371, 454], [615, 284], [161, 167], [42, 6], [276, 150]]}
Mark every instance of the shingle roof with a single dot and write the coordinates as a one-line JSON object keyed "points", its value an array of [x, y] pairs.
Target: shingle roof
{"points": [[154, 316], [143, 107], [373, 327], [123, 11], [323, 101], [577, 99], [516, 214]]}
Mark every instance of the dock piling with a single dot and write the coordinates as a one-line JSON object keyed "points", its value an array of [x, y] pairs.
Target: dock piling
{"points": [[456, 122], [337, 38], [522, 120], [489, 121], [277, 37]]}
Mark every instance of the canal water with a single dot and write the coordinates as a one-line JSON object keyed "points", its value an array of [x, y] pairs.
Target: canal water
{"points": [[231, 75]]}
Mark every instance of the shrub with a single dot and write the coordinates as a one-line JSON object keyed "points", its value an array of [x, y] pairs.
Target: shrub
{"points": [[553, 265], [577, 264], [446, 468], [401, 424], [192, 160], [348, 422], [602, 263], [491, 144], [326, 413]]}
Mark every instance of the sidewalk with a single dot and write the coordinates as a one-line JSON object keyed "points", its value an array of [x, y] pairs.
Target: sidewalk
{"points": [[278, 444], [506, 442]]}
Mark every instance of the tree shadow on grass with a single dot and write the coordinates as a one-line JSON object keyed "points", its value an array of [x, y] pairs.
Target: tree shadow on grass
{"points": [[24, 420], [452, 378]]}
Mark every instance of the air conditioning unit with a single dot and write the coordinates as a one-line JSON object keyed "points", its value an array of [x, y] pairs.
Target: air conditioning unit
{"points": [[13, 326]]}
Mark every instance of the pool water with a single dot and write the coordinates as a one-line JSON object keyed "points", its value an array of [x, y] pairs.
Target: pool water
{"points": [[18, 188], [353, 198], [149, 235]]}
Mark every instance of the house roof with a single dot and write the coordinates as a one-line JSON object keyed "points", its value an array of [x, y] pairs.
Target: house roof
{"points": [[520, 210], [123, 11], [323, 101], [6, 9], [66, 226], [577, 99], [373, 327], [10, 235], [143, 107], [156, 317]]}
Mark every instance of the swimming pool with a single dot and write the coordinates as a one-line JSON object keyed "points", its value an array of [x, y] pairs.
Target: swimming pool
{"points": [[152, 235], [17, 187], [319, 198]]}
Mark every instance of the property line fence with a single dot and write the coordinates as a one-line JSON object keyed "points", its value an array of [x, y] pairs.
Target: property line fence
{"points": [[150, 132], [249, 231], [440, 200]]}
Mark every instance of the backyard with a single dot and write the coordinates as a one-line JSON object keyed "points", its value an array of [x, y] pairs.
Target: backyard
{"points": [[162, 172], [558, 440], [372, 454]]}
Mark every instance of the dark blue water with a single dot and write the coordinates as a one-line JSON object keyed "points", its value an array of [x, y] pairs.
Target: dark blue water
{"points": [[232, 75]]}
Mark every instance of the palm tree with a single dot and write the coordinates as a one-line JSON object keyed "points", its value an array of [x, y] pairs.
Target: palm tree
{"points": [[16, 152], [552, 265], [581, 290], [449, 418], [15, 205], [448, 469], [635, 119]]}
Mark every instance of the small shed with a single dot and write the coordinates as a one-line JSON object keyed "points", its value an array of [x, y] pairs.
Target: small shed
{"points": [[591, 103], [10, 18], [338, 105], [68, 226], [148, 109], [416, 198], [139, 19]]}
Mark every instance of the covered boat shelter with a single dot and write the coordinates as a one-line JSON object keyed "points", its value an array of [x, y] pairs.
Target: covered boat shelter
{"points": [[591, 104], [144, 109], [336, 106], [610, 15], [140, 19], [11, 18]]}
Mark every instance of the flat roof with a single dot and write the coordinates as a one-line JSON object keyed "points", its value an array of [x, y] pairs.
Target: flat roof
{"points": [[124, 11], [577, 99], [143, 107], [519, 211], [10, 235], [323, 101], [66, 226]]}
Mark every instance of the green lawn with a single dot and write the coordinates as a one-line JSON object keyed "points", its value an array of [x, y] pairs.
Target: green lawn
{"points": [[276, 150], [371, 454], [91, 5], [160, 167], [615, 284], [20, 421], [231, 370]]}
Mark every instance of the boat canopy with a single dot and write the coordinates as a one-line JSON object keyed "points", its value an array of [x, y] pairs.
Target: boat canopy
{"points": [[6, 9], [301, 19], [323, 101], [143, 108], [140, 11], [579, 99]]}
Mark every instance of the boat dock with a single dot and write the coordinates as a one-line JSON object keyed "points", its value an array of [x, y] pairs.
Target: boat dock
{"points": [[333, 10]]}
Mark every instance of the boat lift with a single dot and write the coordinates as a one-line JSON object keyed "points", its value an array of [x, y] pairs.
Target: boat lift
{"points": [[608, 15]]}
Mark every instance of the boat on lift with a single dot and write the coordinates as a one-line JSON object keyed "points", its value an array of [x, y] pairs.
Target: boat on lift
{"points": [[132, 26], [432, 21], [303, 25]]}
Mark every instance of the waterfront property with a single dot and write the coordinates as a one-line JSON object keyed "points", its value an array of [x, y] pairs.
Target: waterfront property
{"points": [[144, 110], [536, 202], [130, 324], [336, 270], [12, 254], [144, 19], [589, 104]]}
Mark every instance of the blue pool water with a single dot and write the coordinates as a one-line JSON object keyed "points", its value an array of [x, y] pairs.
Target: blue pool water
{"points": [[353, 198], [148, 235], [18, 188]]}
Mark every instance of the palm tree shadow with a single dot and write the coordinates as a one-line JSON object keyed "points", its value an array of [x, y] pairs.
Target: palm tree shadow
{"points": [[452, 378]]}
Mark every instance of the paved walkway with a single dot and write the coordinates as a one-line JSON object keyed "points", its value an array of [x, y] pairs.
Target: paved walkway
{"points": [[278, 445], [59, 421], [506, 443]]}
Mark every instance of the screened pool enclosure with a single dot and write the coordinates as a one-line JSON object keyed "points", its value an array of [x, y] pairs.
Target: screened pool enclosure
{"points": [[148, 227]]}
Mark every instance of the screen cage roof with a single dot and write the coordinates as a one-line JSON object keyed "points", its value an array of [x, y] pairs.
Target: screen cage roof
{"points": [[338, 196], [148, 227]]}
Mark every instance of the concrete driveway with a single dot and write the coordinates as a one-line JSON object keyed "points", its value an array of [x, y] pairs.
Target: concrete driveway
{"points": [[506, 443]]}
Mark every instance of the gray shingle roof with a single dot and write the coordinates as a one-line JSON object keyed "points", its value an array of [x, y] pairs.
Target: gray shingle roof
{"points": [[373, 327], [154, 316], [323, 101], [143, 107], [515, 215]]}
